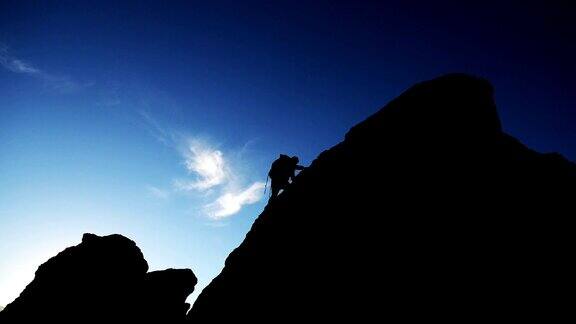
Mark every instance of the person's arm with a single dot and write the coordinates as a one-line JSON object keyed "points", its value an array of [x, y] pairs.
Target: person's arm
{"points": [[293, 175]]}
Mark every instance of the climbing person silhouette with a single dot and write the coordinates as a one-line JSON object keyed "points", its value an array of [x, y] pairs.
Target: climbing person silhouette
{"points": [[281, 172]]}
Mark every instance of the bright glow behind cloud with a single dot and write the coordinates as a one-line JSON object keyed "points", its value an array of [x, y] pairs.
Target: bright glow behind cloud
{"points": [[230, 203]]}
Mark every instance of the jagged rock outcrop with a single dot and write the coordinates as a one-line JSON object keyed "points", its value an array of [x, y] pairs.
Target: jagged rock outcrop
{"points": [[103, 279], [426, 210]]}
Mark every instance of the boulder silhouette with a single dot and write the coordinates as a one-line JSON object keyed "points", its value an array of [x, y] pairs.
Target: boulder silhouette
{"points": [[103, 279], [426, 210], [166, 292]]}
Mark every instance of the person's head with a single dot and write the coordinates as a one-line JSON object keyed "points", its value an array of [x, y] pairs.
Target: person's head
{"points": [[295, 159]]}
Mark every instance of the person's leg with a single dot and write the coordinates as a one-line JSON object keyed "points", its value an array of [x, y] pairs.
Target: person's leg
{"points": [[274, 189]]}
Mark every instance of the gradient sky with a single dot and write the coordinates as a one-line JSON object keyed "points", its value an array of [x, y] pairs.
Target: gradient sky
{"points": [[159, 119]]}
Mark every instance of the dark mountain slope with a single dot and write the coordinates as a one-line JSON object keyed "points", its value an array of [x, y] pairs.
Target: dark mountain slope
{"points": [[426, 210]]}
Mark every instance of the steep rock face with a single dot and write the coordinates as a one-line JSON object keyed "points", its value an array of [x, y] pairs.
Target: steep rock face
{"points": [[103, 279], [427, 210]]}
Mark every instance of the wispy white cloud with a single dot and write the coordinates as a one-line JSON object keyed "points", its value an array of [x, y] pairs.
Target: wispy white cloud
{"points": [[215, 179], [230, 203], [206, 164], [157, 192], [58, 83], [16, 65]]}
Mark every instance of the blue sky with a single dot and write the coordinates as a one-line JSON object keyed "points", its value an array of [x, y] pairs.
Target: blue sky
{"points": [[158, 119]]}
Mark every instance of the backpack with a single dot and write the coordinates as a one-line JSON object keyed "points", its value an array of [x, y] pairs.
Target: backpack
{"points": [[278, 167]]}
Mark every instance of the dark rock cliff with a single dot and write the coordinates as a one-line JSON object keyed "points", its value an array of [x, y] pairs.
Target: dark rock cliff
{"points": [[103, 279], [426, 210]]}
